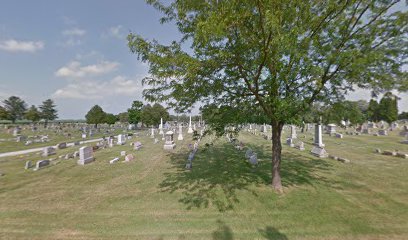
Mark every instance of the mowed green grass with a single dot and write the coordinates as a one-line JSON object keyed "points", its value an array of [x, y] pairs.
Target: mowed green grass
{"points": [[223, 197]]}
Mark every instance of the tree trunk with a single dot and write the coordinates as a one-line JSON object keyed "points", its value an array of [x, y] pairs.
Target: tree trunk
{"points": [[45, 123], [276, 155]]}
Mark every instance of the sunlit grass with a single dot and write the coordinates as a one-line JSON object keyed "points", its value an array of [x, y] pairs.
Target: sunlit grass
{"points": [[223, 197]]}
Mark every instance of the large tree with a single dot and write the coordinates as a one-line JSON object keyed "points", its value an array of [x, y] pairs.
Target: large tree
{"points": [[151, 115], [15, 108], [33, 114], [280, 56], [388, 108], [135, 112], [372, 111], [95, 116], [110, 118], [48, 111]]}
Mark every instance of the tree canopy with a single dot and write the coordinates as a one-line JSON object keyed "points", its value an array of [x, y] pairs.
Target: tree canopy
{"points": [[280, 56], [33, 114], [135, 112], [151, 115], [48, 111], [15, 108], [95, 116]]}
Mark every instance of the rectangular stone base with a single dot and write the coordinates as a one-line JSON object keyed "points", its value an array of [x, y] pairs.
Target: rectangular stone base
{"points": [[319, 152], [169, 146], [85, 161]]}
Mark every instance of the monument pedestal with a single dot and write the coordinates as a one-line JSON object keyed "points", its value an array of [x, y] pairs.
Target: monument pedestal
{"points": [[169, 146], [319, 152]]}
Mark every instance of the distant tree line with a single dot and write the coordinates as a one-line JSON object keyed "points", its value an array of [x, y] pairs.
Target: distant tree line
{"points": [[357, 112], [14, 108], [137, 113]]}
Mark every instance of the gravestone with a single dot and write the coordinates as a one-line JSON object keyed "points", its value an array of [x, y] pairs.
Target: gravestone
{"points": [[169, 143], [331, 128], [253, 159], [21, 138], [47, 151], [161, 127], [406, 139], [137, 145], [180, 133], [28, 164], [319, 152], [290, 142], [301, 146], [156, 141], [85, 155], [62, 145], [190, 129], [152, 134], [248, 153], [129, 158], [293, 134], [41, 163], [83, 135], [121, 139], [16, 131], [114, 160], [110, 142], [338, 135], [382, 132], [318, 140], [123, 153]]}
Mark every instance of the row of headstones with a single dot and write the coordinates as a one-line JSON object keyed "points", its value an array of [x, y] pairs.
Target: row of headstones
{"points": [[392, 153], [85, 155]]}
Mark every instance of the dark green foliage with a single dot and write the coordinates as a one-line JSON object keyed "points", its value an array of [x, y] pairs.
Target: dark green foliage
{"points": [[48, 111], [110, 118], [123, 117], [372, 111], [95, 116], [33, 114], [151, 115], [15, 108], [403, 115], [135, 112], [345, 110], [3, 113], [388, 108]]}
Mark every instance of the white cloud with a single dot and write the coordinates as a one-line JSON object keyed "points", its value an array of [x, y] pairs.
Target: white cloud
{"points": [[72, 37], [116, 32], [68, 21], [21, 46], [91, 89], [74, 32], [75, 70]]}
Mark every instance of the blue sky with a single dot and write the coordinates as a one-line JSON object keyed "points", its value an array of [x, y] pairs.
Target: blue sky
{"points": [[76, 53]]}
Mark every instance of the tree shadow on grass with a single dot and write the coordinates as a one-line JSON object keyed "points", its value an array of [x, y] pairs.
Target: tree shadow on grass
{"points": [[223, 232], [219, 172], [272, 233]]}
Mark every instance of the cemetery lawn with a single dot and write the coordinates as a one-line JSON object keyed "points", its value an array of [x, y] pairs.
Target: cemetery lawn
{"points": [[223, 197]]}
